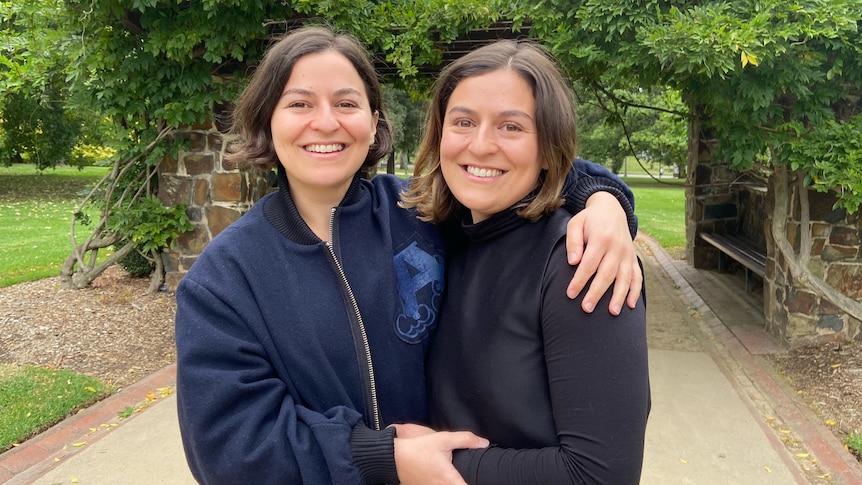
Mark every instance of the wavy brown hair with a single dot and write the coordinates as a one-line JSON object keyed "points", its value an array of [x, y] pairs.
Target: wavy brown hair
{"points": [[555, 124], [250, 123]]}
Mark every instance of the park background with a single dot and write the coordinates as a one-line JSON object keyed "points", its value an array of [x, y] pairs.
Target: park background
{"points": [[724, 95]]}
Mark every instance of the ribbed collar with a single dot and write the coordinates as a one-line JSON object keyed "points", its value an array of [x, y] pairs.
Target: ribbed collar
{"points": [[281, 211]]}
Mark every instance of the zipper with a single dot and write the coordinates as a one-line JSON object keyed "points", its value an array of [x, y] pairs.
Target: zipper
{"points": [[375, 406]]}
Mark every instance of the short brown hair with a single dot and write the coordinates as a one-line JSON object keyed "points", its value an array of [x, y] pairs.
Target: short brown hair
{"points": [[555, 124], [253, 113]]}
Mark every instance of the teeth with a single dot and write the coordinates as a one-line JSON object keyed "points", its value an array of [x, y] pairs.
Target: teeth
{"points": [[483, 172], [325, 148]]}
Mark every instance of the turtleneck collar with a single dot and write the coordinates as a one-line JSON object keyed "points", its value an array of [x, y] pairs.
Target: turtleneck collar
{"points": [[496, 225], [282, 213], [492, 227]]}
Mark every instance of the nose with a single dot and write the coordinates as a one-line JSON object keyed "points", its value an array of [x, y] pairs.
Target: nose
{"points": [[484, 141], [325, 119]]}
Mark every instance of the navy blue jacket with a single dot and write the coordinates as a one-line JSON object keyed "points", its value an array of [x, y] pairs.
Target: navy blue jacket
{"points": [[293, 355]]}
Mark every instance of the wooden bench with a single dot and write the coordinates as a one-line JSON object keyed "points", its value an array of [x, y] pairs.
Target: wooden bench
{"points": [[751, 257]]}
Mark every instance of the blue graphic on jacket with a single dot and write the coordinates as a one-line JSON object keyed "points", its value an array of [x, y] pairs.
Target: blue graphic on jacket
{"points": [[420, 288]]}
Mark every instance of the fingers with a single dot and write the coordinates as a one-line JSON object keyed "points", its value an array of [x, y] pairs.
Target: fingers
{"points": [[589, 264], [465, 439], [636, 285], [575, 241], [626, 277], [605, 275], [621, 289]]}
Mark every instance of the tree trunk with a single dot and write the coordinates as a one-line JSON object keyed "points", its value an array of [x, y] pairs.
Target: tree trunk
{"points": [[77, 273], [390, 162], [158, 276]]}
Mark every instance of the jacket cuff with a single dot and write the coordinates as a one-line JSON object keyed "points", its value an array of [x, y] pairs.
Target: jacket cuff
{"points": [[374, 454], [576, 198]]}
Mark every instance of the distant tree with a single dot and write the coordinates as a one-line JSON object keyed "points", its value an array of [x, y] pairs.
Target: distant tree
{"points": [[646, 124], [37, 129], [406, 116], [37, 122]]}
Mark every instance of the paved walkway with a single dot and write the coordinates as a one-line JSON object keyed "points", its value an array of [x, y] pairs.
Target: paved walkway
{"points": [[720, 415]]}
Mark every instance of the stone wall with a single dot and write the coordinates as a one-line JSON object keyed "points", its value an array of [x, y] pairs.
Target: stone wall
{"points": [[797, 314], [217, 193]]}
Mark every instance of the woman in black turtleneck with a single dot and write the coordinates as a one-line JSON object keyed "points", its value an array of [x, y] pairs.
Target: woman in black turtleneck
{"points": [[562, 395]]}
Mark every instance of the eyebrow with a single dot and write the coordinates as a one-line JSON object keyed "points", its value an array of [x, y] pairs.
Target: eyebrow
{"points": [[307, 92], [509, 113]]}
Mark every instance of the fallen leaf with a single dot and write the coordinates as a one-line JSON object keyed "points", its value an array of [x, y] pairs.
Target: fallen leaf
{"points": [[768, 470], [830, 422], [835, 366], [79, 444], [683, 460], [151, 396], [803, 455]]}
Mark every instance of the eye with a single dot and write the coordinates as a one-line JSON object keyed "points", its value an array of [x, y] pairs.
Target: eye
{"points": [[511, 127], [463, 123], [298, 104], [347, 104]]}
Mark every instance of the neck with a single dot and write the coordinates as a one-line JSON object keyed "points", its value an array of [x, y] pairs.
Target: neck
{"points": [[314, 206], [316, 212]]}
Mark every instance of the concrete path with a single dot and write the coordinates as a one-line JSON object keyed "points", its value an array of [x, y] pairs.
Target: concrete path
{"points": [[720, 415]]}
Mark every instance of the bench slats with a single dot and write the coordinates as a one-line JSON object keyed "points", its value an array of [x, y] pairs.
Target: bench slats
{"points": [[745, 253]]}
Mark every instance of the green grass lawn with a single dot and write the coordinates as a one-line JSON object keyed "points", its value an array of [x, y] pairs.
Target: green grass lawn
{"points": [[660, 208], [35, 216], [34, 398], [35, 219]]}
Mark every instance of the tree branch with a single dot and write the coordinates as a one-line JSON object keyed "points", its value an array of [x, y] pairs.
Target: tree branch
{"points": [[800, 272]]}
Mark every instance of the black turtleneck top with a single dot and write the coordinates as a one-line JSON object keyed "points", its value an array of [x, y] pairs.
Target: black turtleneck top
{"points": [[562, 395]]}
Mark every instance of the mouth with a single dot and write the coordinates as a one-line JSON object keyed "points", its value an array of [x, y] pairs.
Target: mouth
{"points": [[483, 172], [329, 148]]}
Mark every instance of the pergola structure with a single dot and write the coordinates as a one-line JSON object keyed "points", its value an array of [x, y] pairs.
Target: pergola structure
{"points": [[458, 47]]}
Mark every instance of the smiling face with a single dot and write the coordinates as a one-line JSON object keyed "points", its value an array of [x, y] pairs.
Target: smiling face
{"points": [[489, 149], [322, 127]]}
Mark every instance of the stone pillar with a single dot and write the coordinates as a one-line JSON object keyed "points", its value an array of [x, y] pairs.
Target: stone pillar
{"points": [[217, 193], [710, 203]]}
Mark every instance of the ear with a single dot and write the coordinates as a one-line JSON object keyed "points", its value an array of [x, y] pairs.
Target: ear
{"points": [[376, 116]]}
